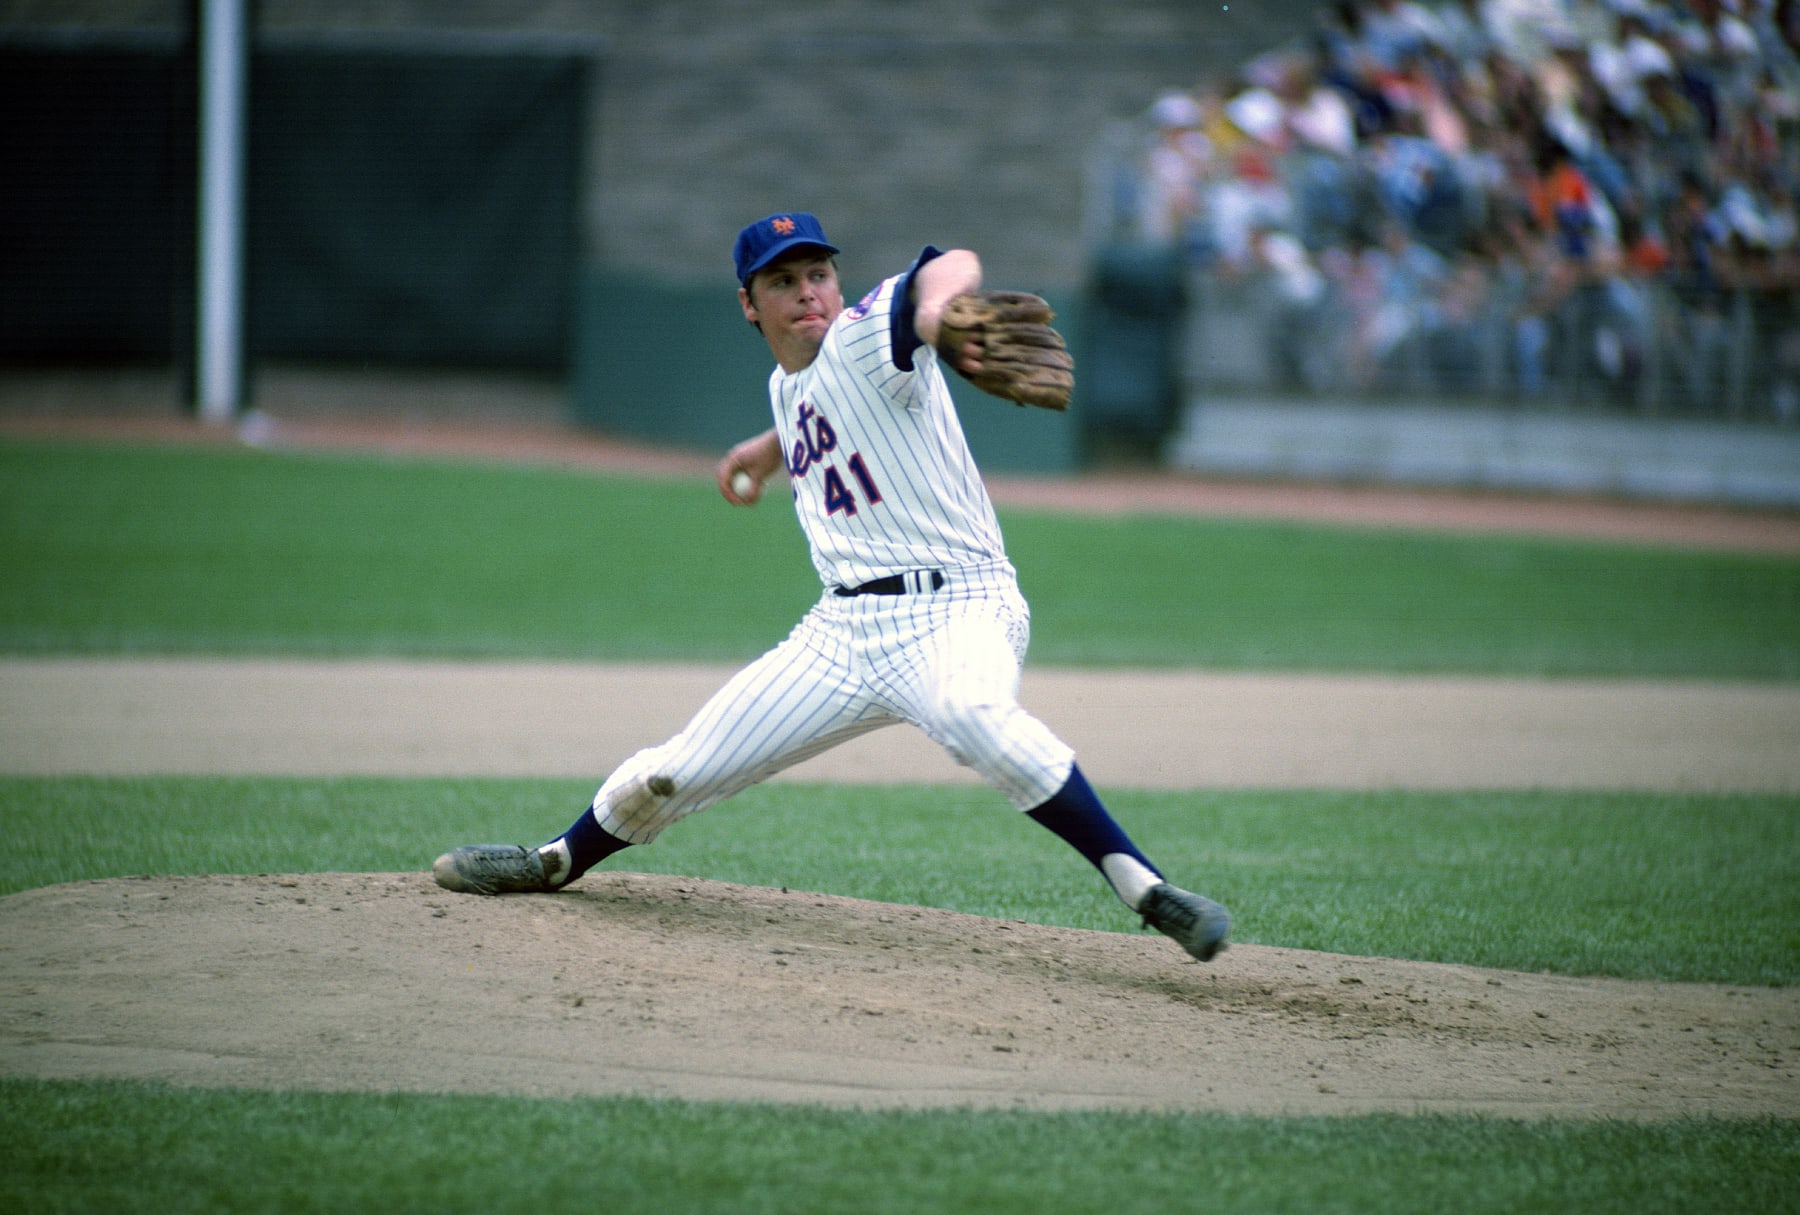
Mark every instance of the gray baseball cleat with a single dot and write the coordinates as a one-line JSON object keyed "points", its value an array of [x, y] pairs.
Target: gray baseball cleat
{"points": [[1192, 921], [492, 869]]}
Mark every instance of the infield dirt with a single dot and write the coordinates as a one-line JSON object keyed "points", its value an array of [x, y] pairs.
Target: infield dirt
{"points": [[677, 987]]}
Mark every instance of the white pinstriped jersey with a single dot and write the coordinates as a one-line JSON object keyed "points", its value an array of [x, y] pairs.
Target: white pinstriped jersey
{"points": [[884, 484], [883, 479]]}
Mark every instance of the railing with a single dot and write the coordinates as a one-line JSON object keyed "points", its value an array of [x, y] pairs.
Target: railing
{"points": [[1627, 347]]}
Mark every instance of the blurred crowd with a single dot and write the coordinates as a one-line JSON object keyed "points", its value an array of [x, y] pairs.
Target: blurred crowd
{"points": [[1498, 189]]}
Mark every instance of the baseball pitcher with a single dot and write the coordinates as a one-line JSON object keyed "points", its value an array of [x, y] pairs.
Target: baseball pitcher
{"points": [[920, 619]]}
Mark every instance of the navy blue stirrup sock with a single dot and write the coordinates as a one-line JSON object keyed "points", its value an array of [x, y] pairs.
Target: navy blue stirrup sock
{"points": [[589, 843], [1076, 814]]}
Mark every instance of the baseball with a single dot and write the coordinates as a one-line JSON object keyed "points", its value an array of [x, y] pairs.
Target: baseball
{"points": [[742, 483]]}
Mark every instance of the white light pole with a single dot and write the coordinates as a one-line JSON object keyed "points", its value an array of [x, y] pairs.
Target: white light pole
{"points": [[224, 72]]}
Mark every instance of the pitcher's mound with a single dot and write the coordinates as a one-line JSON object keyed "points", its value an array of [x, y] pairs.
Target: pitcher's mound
{"points": [[642, 984]]}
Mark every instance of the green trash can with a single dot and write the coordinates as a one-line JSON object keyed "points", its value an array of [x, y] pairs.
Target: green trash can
{"points": [[1128, 382]]}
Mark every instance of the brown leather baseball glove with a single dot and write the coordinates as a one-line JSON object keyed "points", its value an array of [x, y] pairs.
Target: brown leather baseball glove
{"points": [[1020, 356]]}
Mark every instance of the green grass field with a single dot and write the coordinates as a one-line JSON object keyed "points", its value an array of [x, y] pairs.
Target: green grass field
{"points": [[125, 1148], [112, 549], [121, 550]]}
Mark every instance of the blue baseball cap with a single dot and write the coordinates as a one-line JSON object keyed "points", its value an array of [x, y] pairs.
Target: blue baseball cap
{"points": [[768, 238]]}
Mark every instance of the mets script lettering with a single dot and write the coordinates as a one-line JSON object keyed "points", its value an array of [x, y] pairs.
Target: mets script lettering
{"points": [[815, 439]]}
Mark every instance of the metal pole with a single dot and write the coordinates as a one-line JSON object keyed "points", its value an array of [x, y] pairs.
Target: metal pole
{"points": [[224, 68]]}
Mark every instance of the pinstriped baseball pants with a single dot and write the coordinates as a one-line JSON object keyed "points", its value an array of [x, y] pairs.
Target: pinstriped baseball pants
{"points": [[947, 662]]}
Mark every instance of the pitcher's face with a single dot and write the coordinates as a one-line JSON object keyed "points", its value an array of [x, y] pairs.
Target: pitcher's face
{"points": [[794, 300]]}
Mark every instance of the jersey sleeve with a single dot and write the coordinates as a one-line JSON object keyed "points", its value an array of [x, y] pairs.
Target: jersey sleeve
{"points": [[903, 337], [878, 338]]}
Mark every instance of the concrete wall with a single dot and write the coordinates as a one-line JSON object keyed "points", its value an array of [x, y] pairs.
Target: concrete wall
{"points": [[1586, 453]]}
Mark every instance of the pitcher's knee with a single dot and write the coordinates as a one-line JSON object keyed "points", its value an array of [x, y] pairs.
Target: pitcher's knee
{"points": [[639, 799], [977, 733]]}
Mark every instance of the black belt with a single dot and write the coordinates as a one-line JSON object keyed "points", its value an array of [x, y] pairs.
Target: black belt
{"points": [[915, 583]]}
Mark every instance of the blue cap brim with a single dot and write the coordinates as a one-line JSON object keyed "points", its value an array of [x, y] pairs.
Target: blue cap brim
{"points": [[776, 252]]}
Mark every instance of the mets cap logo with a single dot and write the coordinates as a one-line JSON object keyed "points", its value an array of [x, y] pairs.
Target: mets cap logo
{"points": [[783, 226]]}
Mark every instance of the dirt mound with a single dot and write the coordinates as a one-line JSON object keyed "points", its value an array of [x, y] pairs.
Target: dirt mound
{"points": [[633, 983]]}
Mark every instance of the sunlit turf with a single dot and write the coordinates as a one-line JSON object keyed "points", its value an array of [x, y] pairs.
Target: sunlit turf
{"points": [[145, 1148], [133, 550]]}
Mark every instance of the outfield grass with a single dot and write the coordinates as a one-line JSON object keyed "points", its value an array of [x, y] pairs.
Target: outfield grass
{"points": [[121, 549]]}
